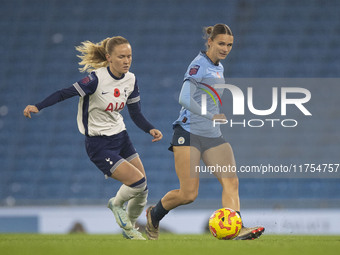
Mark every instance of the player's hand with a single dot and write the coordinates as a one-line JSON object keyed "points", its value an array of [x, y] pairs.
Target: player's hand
{"points": [[29, 109], [220, 117], [157, 135]]}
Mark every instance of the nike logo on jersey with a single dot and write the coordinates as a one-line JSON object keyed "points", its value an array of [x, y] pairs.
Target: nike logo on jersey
{"points": [[103, 93]]}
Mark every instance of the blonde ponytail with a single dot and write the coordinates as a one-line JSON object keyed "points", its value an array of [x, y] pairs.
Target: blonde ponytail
{"points": [[93, 55]]}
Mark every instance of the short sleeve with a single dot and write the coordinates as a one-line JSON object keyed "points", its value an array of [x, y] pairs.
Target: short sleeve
{"points": [[87, 85]]}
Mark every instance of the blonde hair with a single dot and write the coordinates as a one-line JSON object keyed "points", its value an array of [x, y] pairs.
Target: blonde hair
{"points": [[93, 55], [212, 31]]}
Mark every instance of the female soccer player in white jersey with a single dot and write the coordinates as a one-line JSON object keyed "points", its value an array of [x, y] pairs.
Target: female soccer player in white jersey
{"points": [[195, 137], [103, 94]]}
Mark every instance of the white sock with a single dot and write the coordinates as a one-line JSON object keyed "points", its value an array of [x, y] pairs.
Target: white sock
{"points": [[136, 206], [125, 193]]}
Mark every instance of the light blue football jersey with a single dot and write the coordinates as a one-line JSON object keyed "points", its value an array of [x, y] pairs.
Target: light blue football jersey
{"points": [[204, 74]]}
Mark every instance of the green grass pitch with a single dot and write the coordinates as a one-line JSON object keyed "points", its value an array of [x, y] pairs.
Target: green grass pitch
{"points": [[85, 244]]}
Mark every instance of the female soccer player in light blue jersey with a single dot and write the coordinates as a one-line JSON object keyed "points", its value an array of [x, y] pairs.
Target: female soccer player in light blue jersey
{"points": [[103, 94], [195, 137]]}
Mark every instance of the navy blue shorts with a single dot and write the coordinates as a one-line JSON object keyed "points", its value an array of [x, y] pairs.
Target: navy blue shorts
{"points": [[108, 152], [181, 137]]}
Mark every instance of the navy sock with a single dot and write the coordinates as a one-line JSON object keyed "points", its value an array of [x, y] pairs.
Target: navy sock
{"points": [[241, 217], [139, 183], [157, 213]]}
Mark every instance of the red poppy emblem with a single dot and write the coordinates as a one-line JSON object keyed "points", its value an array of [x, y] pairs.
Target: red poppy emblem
{"points": [[116, 93]]}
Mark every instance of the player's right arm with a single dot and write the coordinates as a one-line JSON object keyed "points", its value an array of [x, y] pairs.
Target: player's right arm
{"points": [[86, 86], [186, 99], [192, 77]]}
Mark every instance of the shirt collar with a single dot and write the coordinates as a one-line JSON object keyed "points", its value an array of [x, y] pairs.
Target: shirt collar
{"points": [[113, 76]]}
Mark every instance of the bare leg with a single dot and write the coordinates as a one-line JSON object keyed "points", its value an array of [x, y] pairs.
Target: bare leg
{"points": [[127, 173], [136, 162], [223, 155], [186, 158]]}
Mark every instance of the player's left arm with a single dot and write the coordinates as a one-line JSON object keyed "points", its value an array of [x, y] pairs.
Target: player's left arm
{"points": [[134, 108]]}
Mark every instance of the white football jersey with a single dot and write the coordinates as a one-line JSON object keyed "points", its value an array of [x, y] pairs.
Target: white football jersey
{"points": [[103, 96]]}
